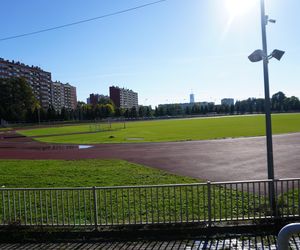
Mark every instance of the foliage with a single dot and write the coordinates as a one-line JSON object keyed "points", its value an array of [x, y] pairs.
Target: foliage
{"points": [[17, 101]]}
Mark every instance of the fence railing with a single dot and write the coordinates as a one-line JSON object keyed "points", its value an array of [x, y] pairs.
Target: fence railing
{"points": [[209, 203]]}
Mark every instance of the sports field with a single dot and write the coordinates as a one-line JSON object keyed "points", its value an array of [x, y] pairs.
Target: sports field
{"points": [[167, 130]]}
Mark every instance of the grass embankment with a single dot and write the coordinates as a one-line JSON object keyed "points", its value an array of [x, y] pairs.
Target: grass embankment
{"points": [[130, 205], [115, 205], [82, 173], [169, 130]]}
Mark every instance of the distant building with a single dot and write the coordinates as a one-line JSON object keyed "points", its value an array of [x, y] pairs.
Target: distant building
{"points": [[188, 105], [95, 98], [70, 96], [123, 98], [205, 104], [88, 101], [38, 79], [63, 96], [46, 92], [58, 99], [227, 101], [192, 98]]}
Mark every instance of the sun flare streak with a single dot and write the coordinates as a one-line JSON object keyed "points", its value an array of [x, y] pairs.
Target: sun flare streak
{"points": [[237, 9]]}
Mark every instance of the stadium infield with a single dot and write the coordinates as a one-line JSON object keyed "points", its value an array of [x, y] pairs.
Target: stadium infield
{"points": [[170, 130]]}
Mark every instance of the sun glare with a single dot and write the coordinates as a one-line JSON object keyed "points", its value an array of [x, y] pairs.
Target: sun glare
{"points": [[237, 11], [238, 7]]}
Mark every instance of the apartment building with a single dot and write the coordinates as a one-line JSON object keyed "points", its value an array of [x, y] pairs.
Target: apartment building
{"points": [[38, 79], [70, 96], [123, 98], [46, 92], [63, 96]]}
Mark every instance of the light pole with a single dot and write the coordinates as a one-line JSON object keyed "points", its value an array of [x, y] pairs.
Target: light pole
{"points": [[256, 56]]}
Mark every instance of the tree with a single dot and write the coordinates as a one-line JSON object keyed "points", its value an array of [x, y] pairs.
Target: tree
{"points": [[133, 112], [195, 109], [64, 114], [51, 114], [80, 110], [105, 100], [278, 101], [141, 111], [231, 109], [17, 101], [188, 110], [156, 112], [119, 112], [126, 113], [109, 110], [148, 111]]}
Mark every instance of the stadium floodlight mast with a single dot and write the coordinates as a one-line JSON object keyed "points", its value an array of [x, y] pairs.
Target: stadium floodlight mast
{"points": [[262, 55]]}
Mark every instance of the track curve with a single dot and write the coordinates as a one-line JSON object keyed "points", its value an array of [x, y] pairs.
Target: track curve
{"points": [[216, 160]]}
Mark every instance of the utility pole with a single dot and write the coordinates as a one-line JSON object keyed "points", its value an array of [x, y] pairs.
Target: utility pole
{"points": [[264, 22]]}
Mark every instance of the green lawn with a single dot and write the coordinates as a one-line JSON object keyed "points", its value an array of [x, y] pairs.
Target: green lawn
{"points": [[169, 130], [115, 205], [4, 129], [82, 173]]}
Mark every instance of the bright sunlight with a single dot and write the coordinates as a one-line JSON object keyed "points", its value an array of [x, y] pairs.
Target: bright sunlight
{"points": [[239, 7]]}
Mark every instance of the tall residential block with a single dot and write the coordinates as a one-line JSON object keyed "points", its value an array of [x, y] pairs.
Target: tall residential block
{"points": [[46, 92], [63, 96], [38, 79], [123, 98]]}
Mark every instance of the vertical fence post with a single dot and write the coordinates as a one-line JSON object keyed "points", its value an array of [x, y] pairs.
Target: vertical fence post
{"points": [[95, 208], [209, 202], [272, 197], [274, 184]]}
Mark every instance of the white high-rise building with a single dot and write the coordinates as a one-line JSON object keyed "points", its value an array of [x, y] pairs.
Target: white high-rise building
{"points": [[63, 96], [192, 98]]}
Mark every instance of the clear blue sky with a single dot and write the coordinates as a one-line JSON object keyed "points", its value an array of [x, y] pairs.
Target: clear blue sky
{"points": [[163, 51]]}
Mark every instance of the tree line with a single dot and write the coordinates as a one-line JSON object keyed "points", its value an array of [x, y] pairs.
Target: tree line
{"points": [[18, 104]]}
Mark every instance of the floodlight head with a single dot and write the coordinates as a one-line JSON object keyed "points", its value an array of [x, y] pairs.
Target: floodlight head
{"points": [[277, 54], [257, 56]]}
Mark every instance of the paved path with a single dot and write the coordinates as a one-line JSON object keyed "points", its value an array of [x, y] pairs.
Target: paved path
{"points": [[215, 160]]}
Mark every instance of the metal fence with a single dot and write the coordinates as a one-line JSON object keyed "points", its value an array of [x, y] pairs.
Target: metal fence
{"points": [[209, 203]]}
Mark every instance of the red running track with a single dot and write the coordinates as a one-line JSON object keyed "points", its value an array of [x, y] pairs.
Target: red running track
{"points": [[215, 160]]}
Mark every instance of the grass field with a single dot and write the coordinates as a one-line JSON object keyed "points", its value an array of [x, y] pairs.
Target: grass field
{"points": [[4, 129], [82, 173], [168, 130], [131, 205]]}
